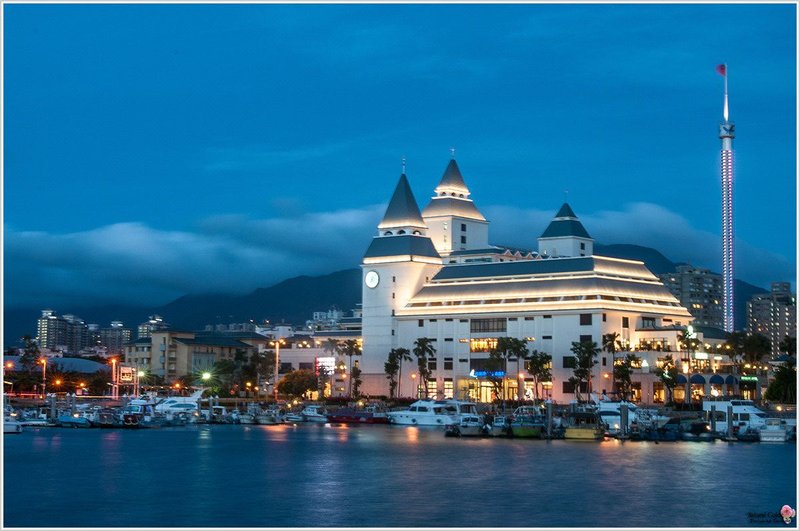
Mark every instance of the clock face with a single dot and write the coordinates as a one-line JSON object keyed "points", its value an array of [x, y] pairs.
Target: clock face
{"points": [[371, 279]]}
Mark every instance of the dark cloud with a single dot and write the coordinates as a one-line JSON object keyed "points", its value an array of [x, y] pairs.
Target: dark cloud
{"points": [[135, 263]]}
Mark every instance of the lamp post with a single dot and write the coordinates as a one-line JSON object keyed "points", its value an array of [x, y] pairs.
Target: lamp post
{"points": [[44, 377], [114, 388], [277, 344], [414, 379]]}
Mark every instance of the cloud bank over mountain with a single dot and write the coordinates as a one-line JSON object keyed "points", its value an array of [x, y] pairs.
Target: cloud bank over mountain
{"points": [[139, 264]]}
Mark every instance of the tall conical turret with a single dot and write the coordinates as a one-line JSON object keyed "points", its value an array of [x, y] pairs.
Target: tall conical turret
{"points": [[402, 215]]}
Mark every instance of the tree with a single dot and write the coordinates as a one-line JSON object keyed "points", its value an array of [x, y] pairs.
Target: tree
{"points": [[756, 347], [734, 348], [539, 366], [494, 368], [393, 365], [349, 348], [585, 359], [502, 351], [784, 387], [298, 383], [356, 379], [423, 348], [622, 373], [668, 374], [30, 354], [612, 345], [518, 348], [788, 345]]}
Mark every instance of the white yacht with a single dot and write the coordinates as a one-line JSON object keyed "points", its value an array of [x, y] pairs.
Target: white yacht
{"points": [[744, 414], [429, 412], [180, 404]]}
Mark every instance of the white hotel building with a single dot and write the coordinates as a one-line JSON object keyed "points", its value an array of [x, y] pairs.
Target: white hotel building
{"points": [[434, 274]]}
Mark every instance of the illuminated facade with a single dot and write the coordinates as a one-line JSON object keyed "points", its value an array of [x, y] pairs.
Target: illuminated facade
{"points": [[726, 133], [773, 315], [418, 284]]}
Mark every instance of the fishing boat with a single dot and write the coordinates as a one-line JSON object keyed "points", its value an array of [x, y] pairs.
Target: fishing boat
{"points": [[583, 425], [292, 417], [314, 413], [528, 426], [774, 430]]}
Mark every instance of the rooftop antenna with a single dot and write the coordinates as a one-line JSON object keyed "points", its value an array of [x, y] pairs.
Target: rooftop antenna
{"points": [[403, 161], [566, 193], [453, 153]]}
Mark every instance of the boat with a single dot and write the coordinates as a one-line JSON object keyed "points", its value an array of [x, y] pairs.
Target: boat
{"points": [[744, 414], [139, 413], [469, 426], [371, 414], [293, 417], [268, 417], [775, 430], [583, 425], [180, 404], [610, 413], [500, 425], [698, 431], [528, 426], [314, 413], [11, 424], [429, 412], [748, 435], [73, 420]]}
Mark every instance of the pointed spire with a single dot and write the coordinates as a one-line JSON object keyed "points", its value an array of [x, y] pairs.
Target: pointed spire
{"points": [[565, 223], [452, 182], [402, 210]]}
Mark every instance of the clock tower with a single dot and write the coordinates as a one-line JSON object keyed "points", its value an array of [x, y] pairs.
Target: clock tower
{"points": [[398, 262]]}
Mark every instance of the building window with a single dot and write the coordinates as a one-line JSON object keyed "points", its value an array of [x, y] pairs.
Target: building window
{"points": [[421, 322], [432, 320], [547, 317], [392, 331], [648, 322], [463, 227], [569, 362], [583, 246], [625, 322], [447, 320], [547, 337], [604, 361], [586, 319], [604, 318], [393, 294], [392, 312], [567, 387], [448, 364], [463, 239], [529, 318], [488, 325], [432, 364], [394, 279], [512, 318], [448, 339], [448, 388], [585, 338], [306, 366]]}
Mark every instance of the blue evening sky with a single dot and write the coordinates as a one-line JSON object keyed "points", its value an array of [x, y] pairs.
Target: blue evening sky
{"points": [[157, 150]]}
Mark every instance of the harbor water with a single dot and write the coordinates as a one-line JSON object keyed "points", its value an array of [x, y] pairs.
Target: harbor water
{"points": [[314, 475]]}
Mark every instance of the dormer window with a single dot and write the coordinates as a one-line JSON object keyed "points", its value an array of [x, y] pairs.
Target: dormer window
{"points": [[387, 233], [401, 231], [418, 233]]}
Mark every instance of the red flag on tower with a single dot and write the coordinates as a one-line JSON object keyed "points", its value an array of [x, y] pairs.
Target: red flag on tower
{"points": [[722, 70]]}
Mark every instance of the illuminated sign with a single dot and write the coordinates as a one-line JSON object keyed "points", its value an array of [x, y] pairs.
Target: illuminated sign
{"points": [[749, 378], [482, 344], [483, 374], [126, 374], [325, 365]]}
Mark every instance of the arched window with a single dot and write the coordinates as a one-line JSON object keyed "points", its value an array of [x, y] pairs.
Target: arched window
{"points": [[417, 233], [401, 231], [442, 194], [387, 233], [453, 194], [461, 195]]}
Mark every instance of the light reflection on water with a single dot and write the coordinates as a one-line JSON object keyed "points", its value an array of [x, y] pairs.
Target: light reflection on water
{"points": [[382, 476]]}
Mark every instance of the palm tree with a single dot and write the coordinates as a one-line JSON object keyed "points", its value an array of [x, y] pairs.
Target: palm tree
{"points": [[539, 365], [350, 348], [392, 367], [668, 374], [756, 347], [612, 345], [403, 355], [423, 348], [586, 358], [501, 351], [518, 348], [622, 373], [788, 345]]}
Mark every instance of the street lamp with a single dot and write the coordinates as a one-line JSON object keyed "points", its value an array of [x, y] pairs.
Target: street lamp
{"points": [[114, 387], [277, 344], [44, 377]]}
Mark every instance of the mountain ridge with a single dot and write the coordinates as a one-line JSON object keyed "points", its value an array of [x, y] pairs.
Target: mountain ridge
{"points": [[292, 300]]}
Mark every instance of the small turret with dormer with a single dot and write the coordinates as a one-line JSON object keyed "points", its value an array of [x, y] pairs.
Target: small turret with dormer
{"points": [[565, 236]]}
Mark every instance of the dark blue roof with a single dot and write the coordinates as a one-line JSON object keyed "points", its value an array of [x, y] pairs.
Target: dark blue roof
{"points": [[716, 379], [566, 212], [520, 267], [406, 244], [215, 341], [565, 227]]}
